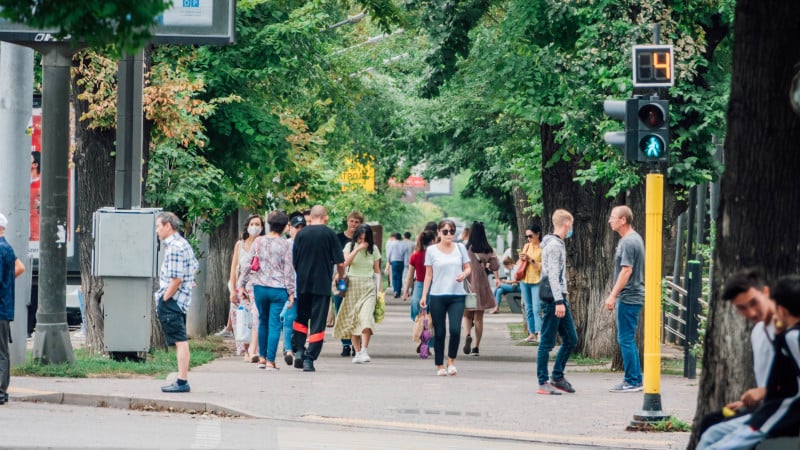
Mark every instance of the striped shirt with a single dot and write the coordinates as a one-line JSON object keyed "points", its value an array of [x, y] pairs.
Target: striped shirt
{"points": [[179, 262]]}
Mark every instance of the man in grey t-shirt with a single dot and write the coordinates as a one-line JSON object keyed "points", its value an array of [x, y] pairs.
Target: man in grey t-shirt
{"points": [[627, 295]]}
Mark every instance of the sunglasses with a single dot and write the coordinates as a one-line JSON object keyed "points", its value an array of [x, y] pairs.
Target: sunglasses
{"points": [[446, 231], [529, 236]]}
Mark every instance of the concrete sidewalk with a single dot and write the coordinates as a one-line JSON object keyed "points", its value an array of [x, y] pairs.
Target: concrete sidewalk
{"points": [[494, 395]]}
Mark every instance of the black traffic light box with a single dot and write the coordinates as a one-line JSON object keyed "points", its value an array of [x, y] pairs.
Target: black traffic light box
{"points": [[652, 131], [646, 135], [624, 110]]}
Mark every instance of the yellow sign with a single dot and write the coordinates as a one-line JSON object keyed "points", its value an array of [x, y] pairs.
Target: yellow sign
{"points": [[358, 174]]}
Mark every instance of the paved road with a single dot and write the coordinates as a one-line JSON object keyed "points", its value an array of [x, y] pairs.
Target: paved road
{"points": [[397, 395]]}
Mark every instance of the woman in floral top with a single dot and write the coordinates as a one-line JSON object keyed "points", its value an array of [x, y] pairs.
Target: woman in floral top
{"points": [[273, 285]]}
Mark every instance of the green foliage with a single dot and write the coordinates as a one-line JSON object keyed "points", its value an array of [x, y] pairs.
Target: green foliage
{"points": [[125, 25], [671, 424], [158, 363]]}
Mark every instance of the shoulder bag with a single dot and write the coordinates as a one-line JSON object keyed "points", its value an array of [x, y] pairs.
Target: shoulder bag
{"points": [[471, 299], [519, 275]]}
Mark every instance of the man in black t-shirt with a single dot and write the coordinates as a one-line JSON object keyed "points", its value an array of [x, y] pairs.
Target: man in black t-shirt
{"points": [[316, 251]]}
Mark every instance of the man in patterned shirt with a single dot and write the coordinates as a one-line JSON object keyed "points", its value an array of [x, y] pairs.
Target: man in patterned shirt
{"points": [[175, 280]]}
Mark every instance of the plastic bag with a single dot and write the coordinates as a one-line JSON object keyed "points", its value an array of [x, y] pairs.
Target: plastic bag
{"points": [[244, 323], [380, 309]]}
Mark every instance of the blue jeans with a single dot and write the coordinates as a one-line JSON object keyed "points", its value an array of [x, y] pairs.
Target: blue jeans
{"points": [[627, 320], [504, 288], [397, 277], [450, 307], [337, 303], [287, 318], [530, 297], [552, 325], [269, 302], [416, 297], [734, 433]]}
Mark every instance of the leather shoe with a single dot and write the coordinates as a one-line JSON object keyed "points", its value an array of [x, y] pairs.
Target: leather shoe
{"points": [[308, 365], [175, 387]]}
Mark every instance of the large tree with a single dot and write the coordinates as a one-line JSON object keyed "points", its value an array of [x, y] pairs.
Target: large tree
{"points": [[758, 223]]}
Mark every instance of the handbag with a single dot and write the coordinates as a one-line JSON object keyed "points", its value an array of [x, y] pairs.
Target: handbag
{"points": [[519, 275], [254, 264], [545, 293], [471, 300]]}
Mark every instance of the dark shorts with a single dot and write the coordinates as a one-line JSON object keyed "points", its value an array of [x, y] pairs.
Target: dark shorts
{"points": [[173, 321]]}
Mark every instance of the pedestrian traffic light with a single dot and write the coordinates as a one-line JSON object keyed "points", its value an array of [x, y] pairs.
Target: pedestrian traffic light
{"points": [[624, 110], [652, 130]]}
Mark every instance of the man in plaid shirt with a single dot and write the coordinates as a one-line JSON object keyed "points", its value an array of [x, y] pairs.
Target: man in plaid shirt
{"points": [[175, 279]]}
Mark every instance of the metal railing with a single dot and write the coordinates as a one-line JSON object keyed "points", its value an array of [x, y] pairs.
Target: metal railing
{"points": [[682, 314]]}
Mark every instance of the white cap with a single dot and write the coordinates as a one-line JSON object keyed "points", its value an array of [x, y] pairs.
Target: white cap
{"points": [[3, 221]]}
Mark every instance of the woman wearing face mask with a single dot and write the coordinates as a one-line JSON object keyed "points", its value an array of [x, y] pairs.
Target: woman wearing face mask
{"points": [[242, 256], [273, 285], [446, 266]]}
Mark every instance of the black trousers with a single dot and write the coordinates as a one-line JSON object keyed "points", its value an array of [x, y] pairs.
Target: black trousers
{"points": [[312, 313], [5, 359]]}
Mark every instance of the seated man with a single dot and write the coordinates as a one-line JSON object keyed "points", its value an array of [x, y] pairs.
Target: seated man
{"points": [[779, 413], [748, 293], [506, 284]]}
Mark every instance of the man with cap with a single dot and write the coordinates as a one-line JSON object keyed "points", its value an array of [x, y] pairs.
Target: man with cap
{"points": [[10, 268]]}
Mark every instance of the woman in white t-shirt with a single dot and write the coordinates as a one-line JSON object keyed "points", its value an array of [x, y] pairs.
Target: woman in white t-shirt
{"points": [[446, 267]]}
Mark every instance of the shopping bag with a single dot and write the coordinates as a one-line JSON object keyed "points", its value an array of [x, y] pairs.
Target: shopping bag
{"points": [[244, 322], [380, 309]]}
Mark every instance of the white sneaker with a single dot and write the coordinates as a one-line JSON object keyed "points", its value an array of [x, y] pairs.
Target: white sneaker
{"points": [[365, 355], [359, 358], [224, 333]]}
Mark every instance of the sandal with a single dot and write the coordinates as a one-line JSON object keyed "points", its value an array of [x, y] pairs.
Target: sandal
{"points": [[254, 358], [262, 364], [441, 373]]}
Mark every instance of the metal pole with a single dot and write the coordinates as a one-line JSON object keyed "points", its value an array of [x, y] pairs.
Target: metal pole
{"points": [[694, 272], [700, 227], [130, 129], [51, 343], [16, 93], [654, 216]]}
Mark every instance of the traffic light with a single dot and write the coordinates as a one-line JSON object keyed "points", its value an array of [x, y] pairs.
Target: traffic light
{"points": [[624, 110], [652, 130]]}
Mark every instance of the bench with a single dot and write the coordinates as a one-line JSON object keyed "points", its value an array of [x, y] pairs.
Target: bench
{"points": [[514, 301]]}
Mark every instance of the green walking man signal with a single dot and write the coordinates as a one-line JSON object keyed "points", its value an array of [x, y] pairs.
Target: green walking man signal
{"points": [[646, 135]]}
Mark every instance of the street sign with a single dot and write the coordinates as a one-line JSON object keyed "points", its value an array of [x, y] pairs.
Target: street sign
{"points": [[189, 22], [653, 66]]}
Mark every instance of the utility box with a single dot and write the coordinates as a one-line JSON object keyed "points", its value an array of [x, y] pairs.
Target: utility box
{"points": [[126, 256]]}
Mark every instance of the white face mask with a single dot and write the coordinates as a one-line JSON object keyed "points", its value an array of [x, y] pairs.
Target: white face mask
{"points": [[254, 231]]}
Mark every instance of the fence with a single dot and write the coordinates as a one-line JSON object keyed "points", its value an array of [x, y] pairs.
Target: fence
{"points": [[682, 314]]}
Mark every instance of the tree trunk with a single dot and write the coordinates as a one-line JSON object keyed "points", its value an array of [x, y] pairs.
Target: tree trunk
{"points": [[758, 223], [589, 253], [94, 167], [218, 266], [523, 219]]}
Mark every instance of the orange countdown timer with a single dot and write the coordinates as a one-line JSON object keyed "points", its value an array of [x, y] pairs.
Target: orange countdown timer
{"points": [[652, 66]]}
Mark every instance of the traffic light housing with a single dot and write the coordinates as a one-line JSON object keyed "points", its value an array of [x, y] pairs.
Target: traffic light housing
{"points": [[652, 130], [646, 135], [624, 110]]}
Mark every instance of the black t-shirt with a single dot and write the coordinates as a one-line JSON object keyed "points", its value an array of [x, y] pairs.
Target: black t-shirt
{"points": [[316, 250]]}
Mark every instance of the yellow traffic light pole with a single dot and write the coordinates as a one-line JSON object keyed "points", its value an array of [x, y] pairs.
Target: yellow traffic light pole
{"points": [[654, 215]]}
